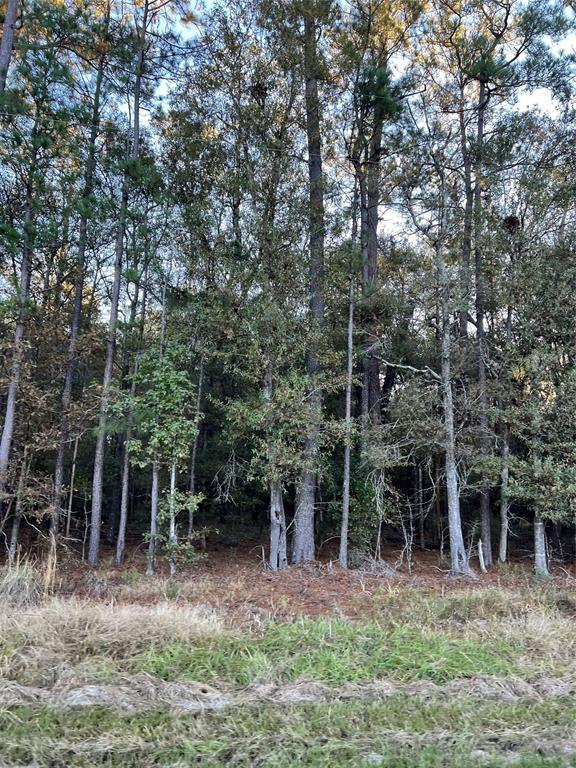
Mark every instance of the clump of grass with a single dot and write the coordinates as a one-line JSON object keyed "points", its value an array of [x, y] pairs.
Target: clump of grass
{"points": [[39, 644], [20, 585], [401, 606], [330, 651]]}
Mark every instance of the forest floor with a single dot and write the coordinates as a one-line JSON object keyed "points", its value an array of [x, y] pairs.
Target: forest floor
{"points": [[230, 665]]}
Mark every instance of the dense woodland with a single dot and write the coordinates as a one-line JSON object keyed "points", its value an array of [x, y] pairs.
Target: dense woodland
{"points": [[301, 271]]}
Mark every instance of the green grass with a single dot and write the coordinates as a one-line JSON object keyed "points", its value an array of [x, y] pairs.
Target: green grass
{"points": [[331, 651], [396, 733]]}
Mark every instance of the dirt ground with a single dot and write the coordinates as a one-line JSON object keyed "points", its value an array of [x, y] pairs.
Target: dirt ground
{"points": [[235, 580]]}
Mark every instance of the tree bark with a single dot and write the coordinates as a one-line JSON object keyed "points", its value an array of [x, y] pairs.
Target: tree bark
{"points": [[540, 559], [464, 298], [98, 476], [343, 554], [485, 521], [194, 453], [172, 532], [71, 489], [371, 366], [13, 548], [458, 556], [153, 518], [7, 42], [66, 397], [303, 547], [18, 345], [278, 559], [504, 501]]}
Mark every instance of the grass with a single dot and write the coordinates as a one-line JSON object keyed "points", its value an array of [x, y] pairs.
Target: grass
{"points": [[399, 732], [20, 585], [85, 641], [410, 636], [331, 651]]}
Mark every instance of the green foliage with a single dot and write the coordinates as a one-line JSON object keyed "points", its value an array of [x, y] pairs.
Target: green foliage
{"points": [[164, 409]]}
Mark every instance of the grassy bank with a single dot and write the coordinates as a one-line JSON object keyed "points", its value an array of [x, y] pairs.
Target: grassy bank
{"points": [[409, 638]]}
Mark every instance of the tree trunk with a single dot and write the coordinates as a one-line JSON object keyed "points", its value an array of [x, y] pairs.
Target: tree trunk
{"points": [[467, 233], [303, 542], [13, 548], [153, 518], [71, 489], [371, 366], [485, 522], [66, 397], [458, 555], [18, 345], [540, 559], [504, 502], [98, 476], [172, 533], [343, 555], [421, 513], [124, 496], [125, 482], [7, 42], [278, 559], [194, 453]]}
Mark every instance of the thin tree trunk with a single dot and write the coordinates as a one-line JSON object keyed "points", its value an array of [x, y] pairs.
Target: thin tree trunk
{"points": [[504, 501], [18, 507], [458, 555], [370, 268], [98, 476], [125, 482], [153, 517], [124, 497], [421, 513], [18, 345], [66, 397], [71, 489], [505, 472], [467, 234], [155, 493], [7, 42], [343, 555], [540, 559], [192, 486], [485, 521], [278, 559], [172, 533], [303, 547]]}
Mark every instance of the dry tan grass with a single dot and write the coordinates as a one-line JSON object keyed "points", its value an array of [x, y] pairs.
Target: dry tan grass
{"points": [[20, 585], [545, 639], [62, 637]]}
